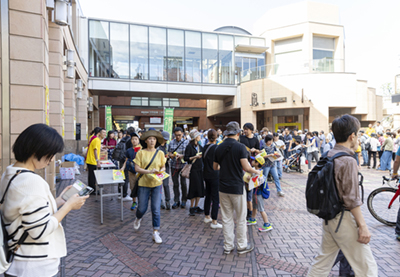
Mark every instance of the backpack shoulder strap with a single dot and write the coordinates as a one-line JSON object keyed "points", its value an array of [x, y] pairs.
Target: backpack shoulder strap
{"points": [[9, 182], [209, 147], [340, 154]]}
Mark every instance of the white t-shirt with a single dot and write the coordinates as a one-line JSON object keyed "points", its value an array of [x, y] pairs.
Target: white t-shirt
{"points": [[45, 268], [379, 129]]}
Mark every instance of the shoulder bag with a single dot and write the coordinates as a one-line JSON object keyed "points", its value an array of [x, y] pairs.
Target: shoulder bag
{"points": [[185, 172], [7, 254], [136, 187]]}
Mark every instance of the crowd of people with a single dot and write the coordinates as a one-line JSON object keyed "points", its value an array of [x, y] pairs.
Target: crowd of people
{"points": [[218, 165], [195, 152]]}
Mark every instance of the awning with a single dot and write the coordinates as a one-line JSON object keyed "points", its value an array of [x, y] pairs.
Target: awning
{"points": [[251, 49]]}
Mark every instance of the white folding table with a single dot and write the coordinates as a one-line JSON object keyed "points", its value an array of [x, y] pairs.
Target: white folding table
{"points": [[105, 178], [107, 164]]}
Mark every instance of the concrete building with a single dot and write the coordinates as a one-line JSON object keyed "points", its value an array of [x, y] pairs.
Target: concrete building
{"points": [[61, 68], [304, 83]]}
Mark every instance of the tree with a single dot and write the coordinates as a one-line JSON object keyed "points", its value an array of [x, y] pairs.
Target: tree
{"points": [[387, 89]]}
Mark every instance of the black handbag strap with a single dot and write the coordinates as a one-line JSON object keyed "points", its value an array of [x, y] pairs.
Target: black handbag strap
{"points": [[178, 146], [209, 147], [9, 182], [152, 159]]}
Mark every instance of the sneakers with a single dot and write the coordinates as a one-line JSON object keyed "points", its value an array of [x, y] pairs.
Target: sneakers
{"points": [[167, 205], [252, 221], [398, 237], [176, 205], [216, 226], [281, 193], [126, 198], [134, 205], [162, 205], [198, 210], [183, 205], [265, 228], [207, 220], [248, 249], [136, 224], [227, 252], [156, 237], [192, 211]]}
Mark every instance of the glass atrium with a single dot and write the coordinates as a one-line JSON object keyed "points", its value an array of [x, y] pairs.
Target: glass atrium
{"points": [[140, 52]]}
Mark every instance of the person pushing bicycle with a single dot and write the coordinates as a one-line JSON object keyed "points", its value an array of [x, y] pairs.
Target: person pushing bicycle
{"points": [[395, 175]]}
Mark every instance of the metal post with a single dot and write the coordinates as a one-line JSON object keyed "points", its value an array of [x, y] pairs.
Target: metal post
{"points": [[5, 85]]}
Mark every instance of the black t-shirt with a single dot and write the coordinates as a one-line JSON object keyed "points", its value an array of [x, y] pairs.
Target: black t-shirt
{"points": [[231, 170], [250, 142], [295, 138], [208, 162]]}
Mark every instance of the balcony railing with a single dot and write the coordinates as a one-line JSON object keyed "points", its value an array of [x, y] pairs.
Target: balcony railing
{"points": [[288, 68]]}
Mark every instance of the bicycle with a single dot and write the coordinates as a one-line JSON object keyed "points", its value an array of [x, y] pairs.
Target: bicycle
{"points": [[381, 201]]}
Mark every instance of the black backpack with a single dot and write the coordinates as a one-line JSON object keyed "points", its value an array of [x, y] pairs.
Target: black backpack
{"points": [[321, 192], [119, 151]]}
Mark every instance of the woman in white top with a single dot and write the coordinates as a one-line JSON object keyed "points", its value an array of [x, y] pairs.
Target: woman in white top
{"points": [[30, 211], [373, 149], [312, 149]]}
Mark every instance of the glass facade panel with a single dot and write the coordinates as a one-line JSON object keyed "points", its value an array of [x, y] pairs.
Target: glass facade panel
{"points": [[145, 101], [157, 102], [139, 52], [226, 59], [193, 56], [158, 53], [136, 101], [99, 49], [210, 58], [174, 102], [175, 55], [119, 41], [242, 40]]}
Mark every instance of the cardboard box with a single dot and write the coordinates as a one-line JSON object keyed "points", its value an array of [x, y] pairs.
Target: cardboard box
{"points": [[66, 165]]}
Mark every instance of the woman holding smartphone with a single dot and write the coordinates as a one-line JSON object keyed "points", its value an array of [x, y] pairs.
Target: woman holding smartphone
{"points": [[30, 212]]}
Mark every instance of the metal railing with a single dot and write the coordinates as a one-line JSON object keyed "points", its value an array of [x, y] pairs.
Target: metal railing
{"points": [[288, 68]]}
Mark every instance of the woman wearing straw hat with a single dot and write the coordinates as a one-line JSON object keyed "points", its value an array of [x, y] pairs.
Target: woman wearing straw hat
{"points": [[193, 154], [149, 161]]}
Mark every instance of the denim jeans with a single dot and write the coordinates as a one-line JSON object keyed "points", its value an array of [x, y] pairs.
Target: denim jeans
{"points": [[274, 173], [279, 168], [143, 198], [386, 161], [364, 154]]}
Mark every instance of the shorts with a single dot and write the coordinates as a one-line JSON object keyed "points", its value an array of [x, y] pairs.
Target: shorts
{"points": [[249, 195], [258, 202]]}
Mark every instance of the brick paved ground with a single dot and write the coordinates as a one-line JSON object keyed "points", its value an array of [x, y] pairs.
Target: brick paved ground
{"points": [[191, 248]]}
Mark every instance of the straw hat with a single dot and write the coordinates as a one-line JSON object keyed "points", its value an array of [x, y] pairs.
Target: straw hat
{"points": [[152, 133]]}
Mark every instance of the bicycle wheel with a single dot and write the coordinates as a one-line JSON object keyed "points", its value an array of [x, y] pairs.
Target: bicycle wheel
{"points": [[378, 202]]}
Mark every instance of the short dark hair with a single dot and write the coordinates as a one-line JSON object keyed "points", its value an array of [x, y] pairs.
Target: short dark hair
{"points": [[309, 134], [178, 129], [344, 126], [212, 135], [38, 140], [275, 134], [268, 138], [130, 130], [96, 130], [249, 126], [322, 132]]}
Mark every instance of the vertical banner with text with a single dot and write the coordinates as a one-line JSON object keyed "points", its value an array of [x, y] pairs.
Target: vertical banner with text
{"points": [[168, 120], [47, 106], [108, 118]]}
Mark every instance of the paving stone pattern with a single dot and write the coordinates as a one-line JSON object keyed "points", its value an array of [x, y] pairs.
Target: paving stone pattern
{"points": [[192, 248]]}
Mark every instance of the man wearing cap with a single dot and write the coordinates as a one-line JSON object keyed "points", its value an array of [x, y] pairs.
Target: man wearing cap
{"points": [[176, 151], [231, 159]]}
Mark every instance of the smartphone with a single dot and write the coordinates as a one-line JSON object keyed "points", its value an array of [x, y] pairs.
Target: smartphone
{"points": [[77, 188]]}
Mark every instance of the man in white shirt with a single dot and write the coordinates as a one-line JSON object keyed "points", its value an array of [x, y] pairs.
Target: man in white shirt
{"points": [[378, 127]]}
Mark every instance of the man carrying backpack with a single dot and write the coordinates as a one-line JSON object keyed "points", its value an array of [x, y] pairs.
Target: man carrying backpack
{"points": [[353, 235]]}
